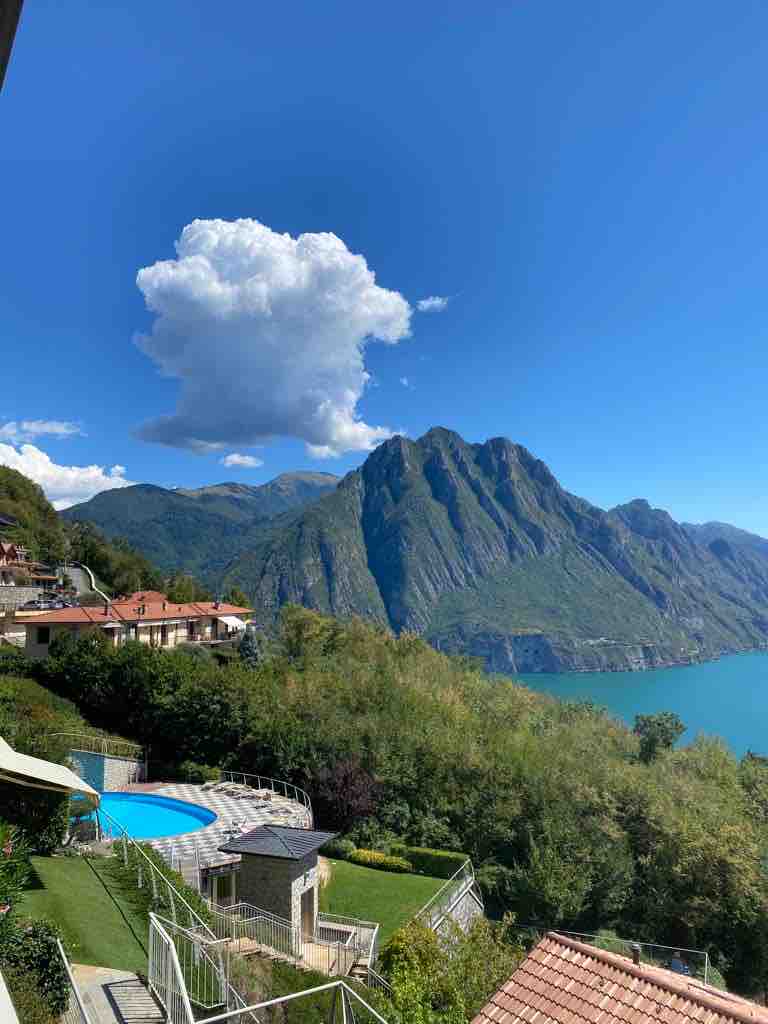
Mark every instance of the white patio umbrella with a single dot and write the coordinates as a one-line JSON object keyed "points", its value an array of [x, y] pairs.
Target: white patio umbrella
{"points": [[36, 773]]}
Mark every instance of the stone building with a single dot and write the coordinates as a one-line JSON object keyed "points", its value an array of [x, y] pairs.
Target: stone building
{"points": [[278, 872]]}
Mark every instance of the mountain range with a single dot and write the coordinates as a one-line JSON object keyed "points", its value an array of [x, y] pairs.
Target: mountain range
{"points": [[198, 531], [476, 547]]}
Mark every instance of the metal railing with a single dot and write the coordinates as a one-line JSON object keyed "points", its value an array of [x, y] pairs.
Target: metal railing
{"points": [[165, 977], [448, 895], [106, 745], [695, 962], [279, 786], [247, 927], [334, 949], [75, 1012], [168, 981], [148, 875]]}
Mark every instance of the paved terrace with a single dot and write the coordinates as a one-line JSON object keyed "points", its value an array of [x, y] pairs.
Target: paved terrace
{"points": [[237, 808]]}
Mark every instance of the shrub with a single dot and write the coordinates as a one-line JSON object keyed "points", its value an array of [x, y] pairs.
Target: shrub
{"points": [[32, 950], [340, 849], [382, 861], [192, 771], [30, 1006], [437, 863]]}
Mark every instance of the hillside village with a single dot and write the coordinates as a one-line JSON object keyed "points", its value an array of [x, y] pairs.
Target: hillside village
{"points": [[300, 809], [267, 755]]}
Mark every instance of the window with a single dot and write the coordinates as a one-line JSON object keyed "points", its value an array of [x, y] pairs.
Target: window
{"points": [[43, 634], [163, 636]]}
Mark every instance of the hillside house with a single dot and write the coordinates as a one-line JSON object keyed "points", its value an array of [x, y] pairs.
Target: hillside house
{"points": [[148, 617], [16, 566]]}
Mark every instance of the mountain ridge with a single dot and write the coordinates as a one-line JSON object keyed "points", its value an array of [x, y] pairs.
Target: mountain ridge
{"points": [[480, 549], [200, 530], [476, 547]]}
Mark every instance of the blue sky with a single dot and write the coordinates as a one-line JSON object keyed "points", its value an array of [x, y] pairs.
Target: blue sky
{"points": [[584, 182]]}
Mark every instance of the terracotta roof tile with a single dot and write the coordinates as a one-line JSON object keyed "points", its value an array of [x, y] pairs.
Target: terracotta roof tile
{"points": [[563, 981], [122, 611]]}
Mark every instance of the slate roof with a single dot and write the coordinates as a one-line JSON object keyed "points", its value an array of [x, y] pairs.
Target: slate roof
{"points": [[563, 981], [278, 841]]}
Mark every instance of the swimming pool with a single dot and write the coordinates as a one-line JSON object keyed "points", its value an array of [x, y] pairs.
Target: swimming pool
{"points": [[153, 817]]}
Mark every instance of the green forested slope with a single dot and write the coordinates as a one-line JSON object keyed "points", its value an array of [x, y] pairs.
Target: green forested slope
{"points": [[566, 823]]}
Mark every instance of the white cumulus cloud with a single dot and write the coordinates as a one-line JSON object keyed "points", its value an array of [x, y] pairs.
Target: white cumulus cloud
{"points": [[63, 485], [267, 334], [432, 304], [27, 430], [245, 461]]}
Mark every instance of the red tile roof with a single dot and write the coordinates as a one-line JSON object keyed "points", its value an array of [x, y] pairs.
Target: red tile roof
{"points": [[563, 981], [128, 613]]}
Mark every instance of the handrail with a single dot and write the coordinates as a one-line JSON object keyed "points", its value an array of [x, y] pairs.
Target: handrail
{"points": [[104, 742], [265, 782], [127, 837], [439, 898], [181, 989], [336, 985], [77, 1014]]}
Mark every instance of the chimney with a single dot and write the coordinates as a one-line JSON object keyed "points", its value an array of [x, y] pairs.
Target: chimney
{"points": [[165, 605], [635, 950], [217, 604], [106, 608]]}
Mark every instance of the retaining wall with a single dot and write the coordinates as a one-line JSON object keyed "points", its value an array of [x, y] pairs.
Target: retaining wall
{"points": [[106, 772]]}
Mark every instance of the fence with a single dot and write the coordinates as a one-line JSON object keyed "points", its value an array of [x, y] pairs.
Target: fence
{"points": [[149, 876], [279, 786], [168, 979], [447, 896], [102, 745], [287, 790], [694, 962], [75, 1012], [251, 929]]}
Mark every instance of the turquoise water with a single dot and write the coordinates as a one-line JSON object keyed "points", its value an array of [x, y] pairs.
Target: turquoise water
{"points": [[153, 817], [727, 698]]}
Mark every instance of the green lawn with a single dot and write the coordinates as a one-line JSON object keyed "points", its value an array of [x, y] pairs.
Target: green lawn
{"points": [[97, 920], [383, 896]]}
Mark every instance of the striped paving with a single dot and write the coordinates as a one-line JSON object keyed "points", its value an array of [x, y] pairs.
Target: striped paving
{"points": [[237, 811]]}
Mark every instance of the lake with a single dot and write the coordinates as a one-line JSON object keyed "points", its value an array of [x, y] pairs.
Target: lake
{"points": [[727, 698]]}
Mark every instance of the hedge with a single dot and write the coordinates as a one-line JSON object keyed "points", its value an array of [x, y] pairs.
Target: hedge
{"points": [[338, 849], [382, 861], [436, 863]]}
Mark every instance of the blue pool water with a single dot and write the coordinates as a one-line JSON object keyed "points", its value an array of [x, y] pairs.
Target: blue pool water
{"points": [[152, 817], [727, 698]]}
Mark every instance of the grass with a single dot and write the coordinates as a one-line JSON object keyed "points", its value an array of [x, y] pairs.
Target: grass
{"points": [[99, 924], [391, 899]]}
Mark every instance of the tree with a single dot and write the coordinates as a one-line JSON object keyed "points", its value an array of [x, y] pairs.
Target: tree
{"points": [[236, 596], [447, 979], [183, 588], [250, 648], [657, 733], [345, 793]]}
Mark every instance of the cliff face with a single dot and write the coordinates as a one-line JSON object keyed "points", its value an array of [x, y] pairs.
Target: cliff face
{"points": [[478, 548]]}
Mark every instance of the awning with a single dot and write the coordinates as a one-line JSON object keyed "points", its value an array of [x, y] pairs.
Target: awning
{"points": [[39, 774], [232, 621]]}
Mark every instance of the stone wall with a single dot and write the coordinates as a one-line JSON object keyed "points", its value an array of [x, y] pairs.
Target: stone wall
{"points": [[15, 597], [276, 884], [105, 772]]}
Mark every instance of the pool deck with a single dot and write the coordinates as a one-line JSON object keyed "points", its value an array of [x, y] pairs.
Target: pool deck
{"points": [[234, 814]]}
